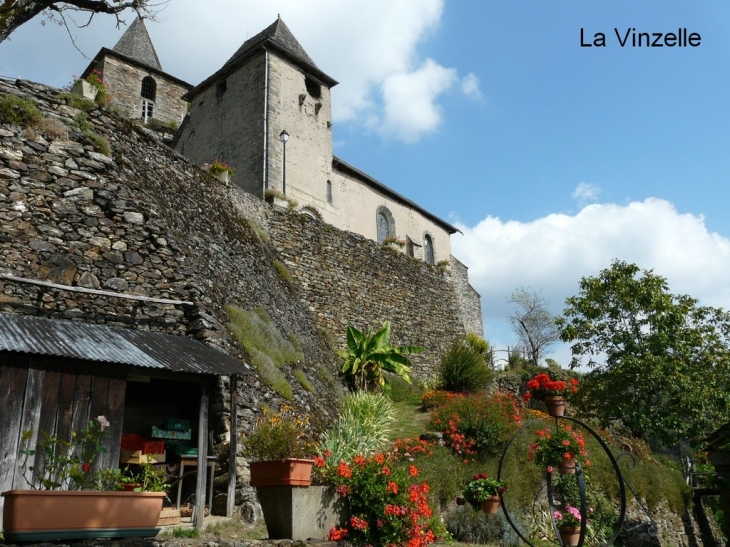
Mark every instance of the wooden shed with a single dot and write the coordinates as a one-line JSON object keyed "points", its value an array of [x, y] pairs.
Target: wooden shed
{"points": [[56, 375]]}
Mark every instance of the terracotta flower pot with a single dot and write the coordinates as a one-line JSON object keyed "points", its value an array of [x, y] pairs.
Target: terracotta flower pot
{"points": [[555, 405], [491, 505], [570, 535], [566, 466], [51, 515], [288, 472]]}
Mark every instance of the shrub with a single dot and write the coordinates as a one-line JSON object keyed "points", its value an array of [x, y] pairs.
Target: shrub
{"points": [[19, 111], [478, 344], [388, 503], [53, 128], [444, 472], [463, 369], [78, 101], [285, 434], [438, 398], [477, 423], [469, 526], [362, 428], [398, 390]]}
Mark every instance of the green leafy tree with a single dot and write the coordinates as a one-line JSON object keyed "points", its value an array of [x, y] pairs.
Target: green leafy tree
{"points": [[659, 362], [368, 355]]}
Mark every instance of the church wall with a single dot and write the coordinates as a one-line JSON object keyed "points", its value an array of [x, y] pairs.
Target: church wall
{"points": [[355, 207], [226, 123], [125, 85], [308, 120]]}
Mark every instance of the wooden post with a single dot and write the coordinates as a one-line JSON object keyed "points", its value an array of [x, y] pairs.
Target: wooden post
{"points": [[231, 501], [199, 510]]}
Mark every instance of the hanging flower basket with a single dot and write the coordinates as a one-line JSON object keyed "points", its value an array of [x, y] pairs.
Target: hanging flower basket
{"points": [[570, 535], [566, 466], [491, 505], [555, 405]]}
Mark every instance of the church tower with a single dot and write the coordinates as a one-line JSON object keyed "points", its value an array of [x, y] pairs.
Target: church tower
{"points": [[136, 82], [238, 114]]}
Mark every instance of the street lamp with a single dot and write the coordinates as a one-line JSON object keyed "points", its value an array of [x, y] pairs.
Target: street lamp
{"points": [[283, 137]]}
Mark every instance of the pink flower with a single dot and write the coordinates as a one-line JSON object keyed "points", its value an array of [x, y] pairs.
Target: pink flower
{"points": [[549, 468], [103, 422]]}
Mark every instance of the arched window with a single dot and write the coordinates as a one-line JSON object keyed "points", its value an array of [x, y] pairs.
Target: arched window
{"points": [[149, 88], [311, 212], [428, 249], [148, 93], [385, 224]]}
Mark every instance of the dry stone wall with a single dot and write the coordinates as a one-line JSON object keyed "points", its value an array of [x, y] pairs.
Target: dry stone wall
{"points": [[347, 279], [469, 299], [145, 222]]}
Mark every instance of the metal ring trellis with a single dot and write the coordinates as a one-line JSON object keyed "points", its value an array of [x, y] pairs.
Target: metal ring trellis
{"points": [[582, 488]]}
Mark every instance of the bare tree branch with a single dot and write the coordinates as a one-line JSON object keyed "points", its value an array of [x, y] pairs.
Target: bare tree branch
{"points": [[533, 323], [14, 13]]}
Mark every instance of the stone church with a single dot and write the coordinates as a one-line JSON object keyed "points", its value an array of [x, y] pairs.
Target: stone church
{"points": [[267, 113]]}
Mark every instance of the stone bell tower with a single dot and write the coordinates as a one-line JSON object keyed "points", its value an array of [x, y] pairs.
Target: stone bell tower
{"points": [[237, 115]]}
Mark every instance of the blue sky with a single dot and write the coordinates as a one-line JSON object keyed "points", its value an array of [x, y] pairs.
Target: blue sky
{"points": [[552, 158]]}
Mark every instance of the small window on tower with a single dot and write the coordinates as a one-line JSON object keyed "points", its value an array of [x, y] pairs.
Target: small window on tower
{"points": [[221, 88], [149, 88], [313, 88], [329, 191]]}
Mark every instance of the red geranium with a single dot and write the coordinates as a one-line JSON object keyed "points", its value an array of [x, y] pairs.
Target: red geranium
{"points": [[543, 385]]}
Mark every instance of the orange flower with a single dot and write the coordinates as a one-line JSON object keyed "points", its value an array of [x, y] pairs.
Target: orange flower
{"points": [[343, 470], [413, 471]]}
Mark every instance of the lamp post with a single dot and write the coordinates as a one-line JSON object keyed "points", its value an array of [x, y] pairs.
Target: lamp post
{"points": [[283, 137]]}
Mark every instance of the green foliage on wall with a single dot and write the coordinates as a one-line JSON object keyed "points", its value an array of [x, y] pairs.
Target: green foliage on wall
{"points": [[283, 271], [266, 346], [19, 111]]}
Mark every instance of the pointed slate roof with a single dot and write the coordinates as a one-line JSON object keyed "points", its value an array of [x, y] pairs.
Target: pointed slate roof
{"points": [[135, 43], [277, 32], [278, 38]]}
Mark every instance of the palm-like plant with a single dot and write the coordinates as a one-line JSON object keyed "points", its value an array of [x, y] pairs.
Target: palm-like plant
{"points": [[368, 355]]}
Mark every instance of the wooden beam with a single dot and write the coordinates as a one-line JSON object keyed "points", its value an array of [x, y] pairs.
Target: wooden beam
{"points": [[231, 501], [199, 510], [95, 291]]}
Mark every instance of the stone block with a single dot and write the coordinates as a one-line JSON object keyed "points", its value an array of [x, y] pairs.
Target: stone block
{"points": [[301, 513]]}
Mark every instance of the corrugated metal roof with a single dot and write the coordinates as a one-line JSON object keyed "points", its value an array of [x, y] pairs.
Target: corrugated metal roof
{"points": [[59, 338]]}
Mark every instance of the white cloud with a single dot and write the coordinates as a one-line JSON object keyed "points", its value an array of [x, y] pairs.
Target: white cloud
{"points": [[470, 86], [551, 254], [410, 101], [585, 193]]}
